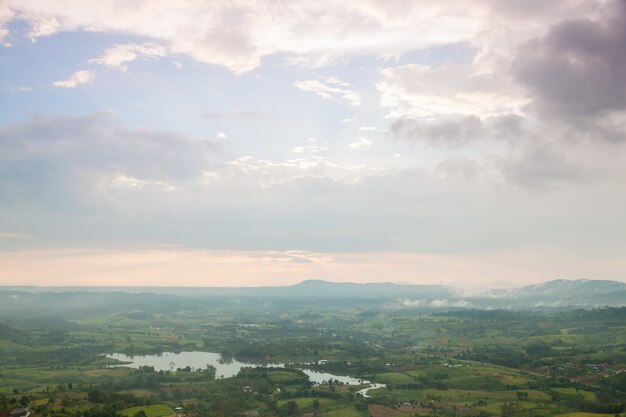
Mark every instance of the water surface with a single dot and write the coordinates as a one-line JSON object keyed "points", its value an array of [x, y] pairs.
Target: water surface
{"points": [[170, 361]]}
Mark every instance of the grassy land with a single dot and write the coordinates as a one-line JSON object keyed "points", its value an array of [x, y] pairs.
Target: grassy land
{"points": [[518, 365], [159, 410], [588, 415], [344, 411]]}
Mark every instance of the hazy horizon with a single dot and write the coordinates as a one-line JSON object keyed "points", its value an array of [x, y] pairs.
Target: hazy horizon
{"points": [[260, 143], [465, 287]]}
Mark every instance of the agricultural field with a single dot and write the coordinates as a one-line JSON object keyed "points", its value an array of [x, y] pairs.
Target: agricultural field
{"points": [[313, 362]]}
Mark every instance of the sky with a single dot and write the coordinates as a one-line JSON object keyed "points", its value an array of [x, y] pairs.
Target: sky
{"points": [[477, 143]]}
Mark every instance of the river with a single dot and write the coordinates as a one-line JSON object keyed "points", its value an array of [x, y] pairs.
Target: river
{"points": [[170, 361]]}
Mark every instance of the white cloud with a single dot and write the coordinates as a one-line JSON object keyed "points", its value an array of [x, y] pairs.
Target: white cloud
{"points": [[332, 89], [437, 303], [43, 26], [12, 235], [269, 173], [421, 91], [239, 33], [122, 181], [221, 136], [119, 55], [21, 89], [78, 78], [311, 146], [361, 143], [6, 15]]}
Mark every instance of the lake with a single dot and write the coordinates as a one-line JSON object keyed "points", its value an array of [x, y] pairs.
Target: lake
{"points": [[170, 361]]}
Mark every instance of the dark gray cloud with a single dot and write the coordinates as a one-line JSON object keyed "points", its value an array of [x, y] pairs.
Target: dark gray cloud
{"points": [[577, 70], [96, 142], [57, 174], [460, 130], [532, 9], [439, 132], [73, 162], [540, 166], [573, 127], [459, 168]]}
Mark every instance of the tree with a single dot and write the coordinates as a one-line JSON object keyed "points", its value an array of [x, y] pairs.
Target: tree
{"points": [[211, 371], [292, 408], [95, 396], [316, 405]]}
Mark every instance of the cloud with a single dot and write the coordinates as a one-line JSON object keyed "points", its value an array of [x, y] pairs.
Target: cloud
{"points": [[11, 235], [123, 181], [554, 67], [546, 98], [452, 131], [239, 34], [21, 89], [268, 173], [421, 91], [234, 115], [459, 168], [361, 143], [120, 185], [311, 147], [547, 163], [541, 166], [119, 55], [6, 15], [43, 26], [369, 129], [518, 119], [437, 303], [81, 158], [78, 78], [574, 72], [332, 89]]}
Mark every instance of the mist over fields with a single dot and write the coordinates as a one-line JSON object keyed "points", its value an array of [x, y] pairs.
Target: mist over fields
{"points": [[558, 294]]}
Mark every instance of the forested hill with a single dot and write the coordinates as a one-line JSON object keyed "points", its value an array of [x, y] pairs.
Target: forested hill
{"points": [[63, 301]]}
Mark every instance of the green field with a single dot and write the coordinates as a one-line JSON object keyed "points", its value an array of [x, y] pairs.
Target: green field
{"points": [[159, 410], [345, 411], [458, 363], [588, 415]]}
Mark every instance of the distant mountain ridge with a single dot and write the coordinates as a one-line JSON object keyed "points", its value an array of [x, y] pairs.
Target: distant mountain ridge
{"points": [[558, 293], [581, 292], [366, 290]]}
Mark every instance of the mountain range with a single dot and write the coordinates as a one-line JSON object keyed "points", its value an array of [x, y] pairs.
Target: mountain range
{"points": [[322, 294]]}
